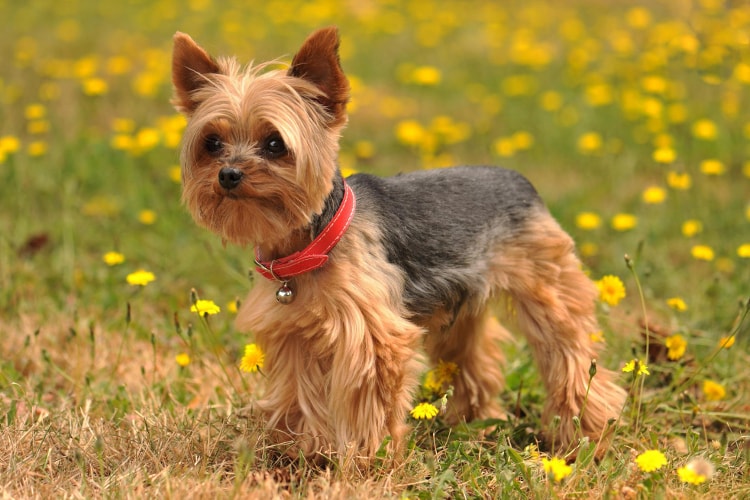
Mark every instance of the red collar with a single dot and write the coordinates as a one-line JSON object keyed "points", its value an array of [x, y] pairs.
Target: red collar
{"points": [[315, 255]]}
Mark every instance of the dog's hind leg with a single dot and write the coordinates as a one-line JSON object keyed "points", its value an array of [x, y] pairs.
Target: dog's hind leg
{"points": [[554, 303]]}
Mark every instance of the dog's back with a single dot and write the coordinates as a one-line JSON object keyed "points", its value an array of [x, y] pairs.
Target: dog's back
{"points": [[439, 225]]}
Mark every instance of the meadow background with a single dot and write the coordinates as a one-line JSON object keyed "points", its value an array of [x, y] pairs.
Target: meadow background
{"points": [[630, 118]]}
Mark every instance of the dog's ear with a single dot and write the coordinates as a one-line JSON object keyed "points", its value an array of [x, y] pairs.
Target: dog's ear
{"points": [[190, 65], [318, 62]]}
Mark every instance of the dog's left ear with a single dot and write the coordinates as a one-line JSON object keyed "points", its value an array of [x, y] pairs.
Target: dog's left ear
{"points": [[318, 62]]}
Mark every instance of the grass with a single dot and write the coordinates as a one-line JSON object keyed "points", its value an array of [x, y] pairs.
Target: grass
{"points": [[609, 108]]}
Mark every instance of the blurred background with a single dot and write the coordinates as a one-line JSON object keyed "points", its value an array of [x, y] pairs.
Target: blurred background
{"points": [[630, 118]]}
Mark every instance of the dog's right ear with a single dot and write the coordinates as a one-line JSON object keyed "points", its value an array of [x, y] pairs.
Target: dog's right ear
{"points": [[190, 65]]}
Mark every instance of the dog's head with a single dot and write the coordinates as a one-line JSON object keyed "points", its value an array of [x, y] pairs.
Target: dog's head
{"points": [[259, 151]]}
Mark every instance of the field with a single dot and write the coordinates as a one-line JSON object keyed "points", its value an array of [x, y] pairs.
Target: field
{"points": [[631, 119]]}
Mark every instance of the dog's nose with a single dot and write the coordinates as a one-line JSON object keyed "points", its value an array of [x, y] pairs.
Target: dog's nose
{"points": [[230, 177]]}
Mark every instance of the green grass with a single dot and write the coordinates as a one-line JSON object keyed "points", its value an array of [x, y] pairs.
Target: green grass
{"points": [[92, 400]]}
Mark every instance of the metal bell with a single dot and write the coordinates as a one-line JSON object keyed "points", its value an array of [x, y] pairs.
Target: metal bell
{"points": [[284, 295]]}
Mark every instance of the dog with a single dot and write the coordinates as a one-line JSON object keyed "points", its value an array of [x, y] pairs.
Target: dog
{"points": [[364, 276]]}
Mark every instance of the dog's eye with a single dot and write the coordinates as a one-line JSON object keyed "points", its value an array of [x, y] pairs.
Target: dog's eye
{"points": [[274, 147], [213, 144]]}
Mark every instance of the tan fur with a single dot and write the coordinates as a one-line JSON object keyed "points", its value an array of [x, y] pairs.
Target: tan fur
{"points": [[344, 366]]}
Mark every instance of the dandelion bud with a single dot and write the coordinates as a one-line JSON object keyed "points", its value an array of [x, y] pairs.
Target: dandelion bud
{"points": [[592, 368], [576, 422], [611, 421], [127, 315], [193, 296], [628, 261]]}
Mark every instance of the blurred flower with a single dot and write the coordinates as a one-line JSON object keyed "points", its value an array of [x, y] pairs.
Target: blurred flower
{"points": [[696, 471], [712, 167], [426, 75], [147, 217], [597, 337], [94, 86], [113, 258], [424, 411], [651, 460], [611, 289], [677, 304], [175, 174], [654, 195], [705, 129], [677, 180], [253, 359], [702, 252], [691, 227], [183, 359], [676, 346], [664, 155], [624, 222], [743, 251], [34, 111], [232, 306], [588, 221], [410, 132], [36, 148], [589, 143], [713, 391], [557, 468], [637, 366], [205, 307], [140, 277], [440, 376], [726, 342]]}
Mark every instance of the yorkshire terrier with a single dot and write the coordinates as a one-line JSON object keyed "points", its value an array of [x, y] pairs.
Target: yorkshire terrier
{"points": [[363, 274]]}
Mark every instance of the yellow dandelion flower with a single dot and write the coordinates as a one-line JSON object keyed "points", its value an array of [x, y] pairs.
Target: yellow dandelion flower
{"points": [[205, 307], [182, 359], [556, 468], [677, 303], [624, 222], [743, 251], [746, 169], [140, 278], [726, 342], [702, 252], [505, 147], [590, 143], [712, 167], [713, 391], [175, 174], [637, 366], [424, 411], [705, 129], [651, 460], [681, 181], [147, 217], [597, 337], [253, 359], [676, 346], [232, 306], [654, 195], [94, 86], [588, 221], [688, 475], [691, 227], [37, 148], [35, 111], [113, 258], [410, 132], [611, 289], [426, 75], [664, 155]]}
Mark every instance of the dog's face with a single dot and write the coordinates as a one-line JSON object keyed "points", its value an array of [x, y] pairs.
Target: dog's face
{"points": [[259, 151]]}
